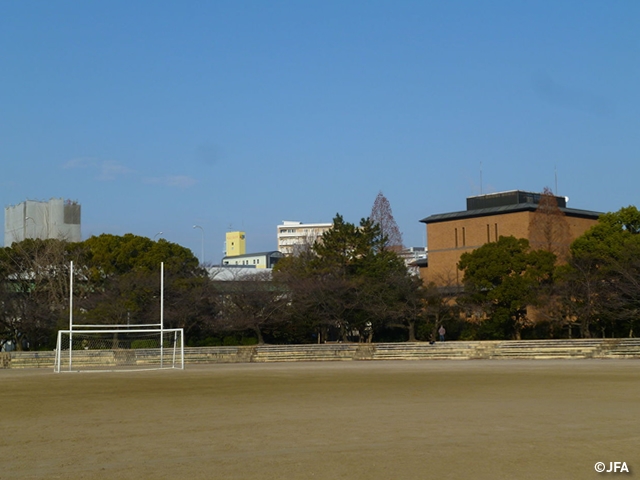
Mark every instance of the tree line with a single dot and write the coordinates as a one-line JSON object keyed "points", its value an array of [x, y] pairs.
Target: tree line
{"points": [[351, 285], [116, 282]]}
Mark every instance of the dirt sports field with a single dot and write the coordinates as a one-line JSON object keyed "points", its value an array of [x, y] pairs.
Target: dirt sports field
{"points": [[342, 420]]}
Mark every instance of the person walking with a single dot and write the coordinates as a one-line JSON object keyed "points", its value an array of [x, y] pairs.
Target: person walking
{"points": [[441, 332]]}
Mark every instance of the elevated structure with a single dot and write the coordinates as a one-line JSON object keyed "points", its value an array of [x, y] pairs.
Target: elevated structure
{"points": [[57, 218], [486, 218], [294, 237], [235, 244]]}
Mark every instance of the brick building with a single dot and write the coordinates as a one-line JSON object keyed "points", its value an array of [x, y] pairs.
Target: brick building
{"points": [[487, 218]]}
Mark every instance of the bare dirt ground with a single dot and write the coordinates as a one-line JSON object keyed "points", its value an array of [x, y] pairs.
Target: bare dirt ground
{"points": [[342, 420]]}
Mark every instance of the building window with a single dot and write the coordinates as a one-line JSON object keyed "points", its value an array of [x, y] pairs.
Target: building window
{"points": [[496, 225], [464, 239], [456, 235], [488, 233]]}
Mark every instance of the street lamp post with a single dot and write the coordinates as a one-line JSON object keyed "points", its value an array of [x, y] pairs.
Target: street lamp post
{"points": [[157, 235], [202, 245]]}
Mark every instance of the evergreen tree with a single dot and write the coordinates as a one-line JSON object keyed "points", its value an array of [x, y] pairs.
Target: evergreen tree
{"points": [[602, 280], [502, 278]]}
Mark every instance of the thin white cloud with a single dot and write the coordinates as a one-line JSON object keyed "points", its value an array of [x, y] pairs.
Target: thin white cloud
{"points": [[106, 170], [110, 170], [180, 181], [81, 162]]}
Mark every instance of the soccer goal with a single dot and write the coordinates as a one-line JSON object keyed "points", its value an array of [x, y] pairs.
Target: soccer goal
{"points": [[113, 348]]}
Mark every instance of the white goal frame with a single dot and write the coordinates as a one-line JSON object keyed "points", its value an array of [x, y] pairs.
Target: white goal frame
{"points": [[154, 358], [112, 350]]}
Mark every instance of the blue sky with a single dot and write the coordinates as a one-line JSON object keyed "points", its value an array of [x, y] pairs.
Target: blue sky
{"points": [[158, 115]]}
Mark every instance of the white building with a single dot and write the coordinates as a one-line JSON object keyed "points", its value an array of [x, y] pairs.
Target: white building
{"points": [[413, 257], [411, 254], [294, 237], [253, 260], [57, 218]]}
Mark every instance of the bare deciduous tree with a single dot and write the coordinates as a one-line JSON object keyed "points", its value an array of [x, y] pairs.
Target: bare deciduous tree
{"points": [[34, 294], [253, 302], [548, 228], [382, 215]]}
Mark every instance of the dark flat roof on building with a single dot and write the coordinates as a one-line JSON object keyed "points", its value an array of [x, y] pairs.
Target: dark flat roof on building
{"points": [[518, 207]]}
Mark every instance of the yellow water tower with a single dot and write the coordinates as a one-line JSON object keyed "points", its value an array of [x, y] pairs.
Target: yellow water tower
{"points": [[235, 244]]}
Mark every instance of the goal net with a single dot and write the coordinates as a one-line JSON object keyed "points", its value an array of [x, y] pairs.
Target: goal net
{"points": [[119, 349]]}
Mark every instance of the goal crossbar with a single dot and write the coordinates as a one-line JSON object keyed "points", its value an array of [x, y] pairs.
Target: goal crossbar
{"points": [[149, 326]]}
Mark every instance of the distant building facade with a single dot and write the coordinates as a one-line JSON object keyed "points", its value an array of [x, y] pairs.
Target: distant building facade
{"points": [[57, 218], [294, 237], [486, 218]]}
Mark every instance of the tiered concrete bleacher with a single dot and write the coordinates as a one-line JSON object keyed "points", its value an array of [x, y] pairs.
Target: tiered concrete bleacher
{"points": [[29, 360], [545, 349], [314, 352], [202, 355], [425, 351], [516, 349], [619, 348]]}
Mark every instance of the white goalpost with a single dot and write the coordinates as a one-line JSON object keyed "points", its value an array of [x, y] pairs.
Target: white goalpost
{"points": [[111, 348]]}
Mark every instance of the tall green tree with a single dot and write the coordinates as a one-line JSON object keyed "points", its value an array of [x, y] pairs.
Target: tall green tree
{"points": [[503, 278], [602, 278], [123, 282]]}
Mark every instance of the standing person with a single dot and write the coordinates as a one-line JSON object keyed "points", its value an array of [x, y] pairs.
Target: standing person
{"points": [[441, 332]]}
